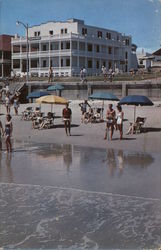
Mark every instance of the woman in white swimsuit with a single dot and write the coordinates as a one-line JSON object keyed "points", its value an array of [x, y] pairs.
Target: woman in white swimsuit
{"points": [[119, 121]]}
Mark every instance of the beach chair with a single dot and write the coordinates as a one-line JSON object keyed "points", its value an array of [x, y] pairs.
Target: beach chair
{"points": [[138, 126], [27, 113], [48, 121]]}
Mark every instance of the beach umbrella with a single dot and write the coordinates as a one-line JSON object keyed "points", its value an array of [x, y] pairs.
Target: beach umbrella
{"points": [[52, 99], [103, 96], [37, 94], [136, 100], [57, 86]]}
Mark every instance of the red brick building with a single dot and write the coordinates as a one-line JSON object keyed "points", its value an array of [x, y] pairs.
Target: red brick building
{"points": [[5, 55]]}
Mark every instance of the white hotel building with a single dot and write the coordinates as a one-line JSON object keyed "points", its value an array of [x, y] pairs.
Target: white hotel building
{"points": [[68, 46]]}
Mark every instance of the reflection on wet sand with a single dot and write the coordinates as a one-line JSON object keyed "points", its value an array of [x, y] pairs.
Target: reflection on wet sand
{"points": [[84, 168], [119, 159], [59, 152], [67, 155], [6, 170], [64, 192], [115, 161]]}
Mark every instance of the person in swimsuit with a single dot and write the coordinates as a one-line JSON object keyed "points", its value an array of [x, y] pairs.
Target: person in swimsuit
{"points": [[67, 114], [111, 120], [119, 122], [8, 133], [7, 103]]}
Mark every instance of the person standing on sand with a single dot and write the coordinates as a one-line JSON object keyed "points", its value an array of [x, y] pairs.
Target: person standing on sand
{"points": [[111, 120], [83, 106], [16, 105], [8, 103], [119, 121], [8, 133], [1, 133], [67, 114]]}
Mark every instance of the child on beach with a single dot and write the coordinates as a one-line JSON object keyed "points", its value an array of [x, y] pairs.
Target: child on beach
{"points": [[8, 133]]}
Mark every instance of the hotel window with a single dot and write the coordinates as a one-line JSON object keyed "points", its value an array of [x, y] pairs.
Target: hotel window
{"points": [[126, 55], [104, 63], [109, 50], [44, 47], [66, 31], [62, 31], [97, 48], [108, 35], [61, 45], [84, 31], [89, 47], [67, 62], [118, 38], [51, 63], [51, 32], [97, 64], [90, 64], [109, 64], [37, 33], [99, 33], [67, 45], [127, 42], [61, 62], [44, 63]]}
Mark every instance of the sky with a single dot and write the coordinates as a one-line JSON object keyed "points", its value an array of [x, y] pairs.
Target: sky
{"points": [[139, 18]]}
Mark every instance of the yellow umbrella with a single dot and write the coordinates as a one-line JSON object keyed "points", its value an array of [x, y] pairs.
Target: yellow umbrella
{"points": [[52, 99]]}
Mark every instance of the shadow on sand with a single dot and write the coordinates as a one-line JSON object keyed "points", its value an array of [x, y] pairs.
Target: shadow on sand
{"points": [[124, 139], [62, 125], [150, 129]]}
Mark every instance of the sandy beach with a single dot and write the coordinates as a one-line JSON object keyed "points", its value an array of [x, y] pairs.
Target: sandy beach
{"points": [[91, 134]]}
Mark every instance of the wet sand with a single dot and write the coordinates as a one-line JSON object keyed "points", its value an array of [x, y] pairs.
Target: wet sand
{"points": [[71, 197]]}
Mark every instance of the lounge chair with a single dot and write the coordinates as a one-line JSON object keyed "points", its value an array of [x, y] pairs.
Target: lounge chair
{"points": [[48, 121], [140, 121]]}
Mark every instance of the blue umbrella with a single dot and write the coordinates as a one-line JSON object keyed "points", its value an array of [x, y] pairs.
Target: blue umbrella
{"points": [[55, 87], [37, 94], [104, 96], [136, 100]]}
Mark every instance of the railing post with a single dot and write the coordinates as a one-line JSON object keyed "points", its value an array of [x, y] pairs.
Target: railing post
{"points": [[124, 89], [89, 89]]}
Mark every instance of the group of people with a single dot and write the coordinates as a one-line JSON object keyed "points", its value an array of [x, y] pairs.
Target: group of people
{"points": [[110, 74], [9, 102], [114, 120], [6, 131], [106, 74]]}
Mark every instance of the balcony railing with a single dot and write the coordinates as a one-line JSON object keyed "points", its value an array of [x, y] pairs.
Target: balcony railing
{"points": [[59, 37]]}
